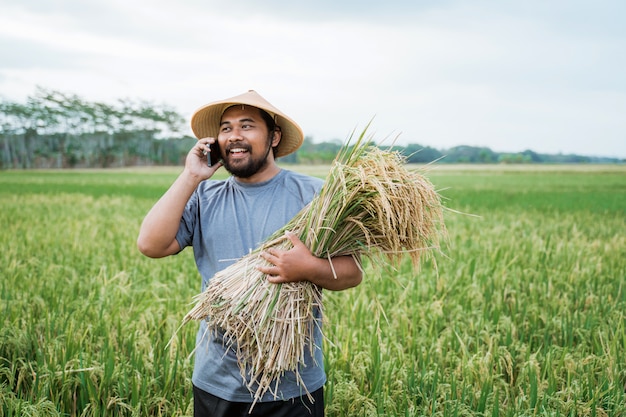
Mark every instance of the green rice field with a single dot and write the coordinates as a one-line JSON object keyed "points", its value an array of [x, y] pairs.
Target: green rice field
{"points": [[524, 314]]}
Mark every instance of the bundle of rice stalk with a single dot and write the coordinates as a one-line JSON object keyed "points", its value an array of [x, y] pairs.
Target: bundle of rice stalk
{"points": [[370, 206]]}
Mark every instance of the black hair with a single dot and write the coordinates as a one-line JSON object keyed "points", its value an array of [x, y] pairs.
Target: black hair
{"points": [[268, 119]]}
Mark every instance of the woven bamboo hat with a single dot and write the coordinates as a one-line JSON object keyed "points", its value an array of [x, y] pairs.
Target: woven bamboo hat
{"points": [[205, 121]]}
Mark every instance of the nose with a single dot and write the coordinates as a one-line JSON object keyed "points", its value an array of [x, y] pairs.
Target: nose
{"points": [[235, 134]]}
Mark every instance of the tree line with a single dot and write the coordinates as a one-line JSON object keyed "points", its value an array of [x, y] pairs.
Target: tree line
{"points": [[52, 129], [56, 130]]}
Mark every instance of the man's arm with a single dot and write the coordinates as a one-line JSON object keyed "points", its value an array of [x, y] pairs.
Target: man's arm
{"points": [[299, 264], [157, 235]]}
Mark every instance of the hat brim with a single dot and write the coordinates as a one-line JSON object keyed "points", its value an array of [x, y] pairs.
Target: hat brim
{"points": [[206, 120]]}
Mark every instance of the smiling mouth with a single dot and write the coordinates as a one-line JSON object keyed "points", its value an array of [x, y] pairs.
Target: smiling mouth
{"points": [[237, 151]]}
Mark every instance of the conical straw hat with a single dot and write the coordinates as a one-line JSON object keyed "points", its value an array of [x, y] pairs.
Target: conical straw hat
{"points": [[205, 121]]}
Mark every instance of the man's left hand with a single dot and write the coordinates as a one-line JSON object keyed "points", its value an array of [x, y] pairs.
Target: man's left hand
{"points": [[288, 265]]}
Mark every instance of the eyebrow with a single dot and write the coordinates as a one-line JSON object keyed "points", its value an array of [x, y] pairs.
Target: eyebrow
{"points": [[244, 120]]}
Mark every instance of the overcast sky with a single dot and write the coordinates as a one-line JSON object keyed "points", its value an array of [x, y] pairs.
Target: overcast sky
{"points": [[545, 75]]}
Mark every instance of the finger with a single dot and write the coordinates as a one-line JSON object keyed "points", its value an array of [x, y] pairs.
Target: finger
{"points": [[278, 279], [273, 252], [293, 238], [274, 279], [200, 148], [205, 145], [267, 269], [268, 256]]}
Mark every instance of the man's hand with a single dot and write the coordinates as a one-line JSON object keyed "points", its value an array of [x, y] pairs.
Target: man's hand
{"points": [[196, 161], [288, 265], [299, 264]]}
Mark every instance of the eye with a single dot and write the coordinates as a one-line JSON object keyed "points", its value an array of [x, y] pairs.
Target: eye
{"points": [[225, 129]]}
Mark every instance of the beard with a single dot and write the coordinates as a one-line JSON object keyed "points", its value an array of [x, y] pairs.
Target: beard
{"points": [[248, 167]]}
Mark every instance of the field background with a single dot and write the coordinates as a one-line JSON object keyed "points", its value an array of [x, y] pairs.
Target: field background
{"points": [[524, 316]]}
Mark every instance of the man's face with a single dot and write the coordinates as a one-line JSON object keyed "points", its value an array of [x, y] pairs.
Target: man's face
{"points": [[244, 140]]}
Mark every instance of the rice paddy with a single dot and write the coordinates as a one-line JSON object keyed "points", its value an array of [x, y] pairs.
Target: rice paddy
{"points": [[525, 315]]}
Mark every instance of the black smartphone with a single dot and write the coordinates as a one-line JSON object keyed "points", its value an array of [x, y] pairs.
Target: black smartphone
{"points": [[214, 156]]}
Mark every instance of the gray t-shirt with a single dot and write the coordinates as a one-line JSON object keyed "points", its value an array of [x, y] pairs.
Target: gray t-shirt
{"points": [[223, 221]]}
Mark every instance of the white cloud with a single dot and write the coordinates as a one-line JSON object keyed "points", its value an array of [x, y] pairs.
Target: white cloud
{"points": [[443, 75]]}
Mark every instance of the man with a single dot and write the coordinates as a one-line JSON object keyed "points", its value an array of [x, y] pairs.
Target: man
{"points": [[225, 220]]}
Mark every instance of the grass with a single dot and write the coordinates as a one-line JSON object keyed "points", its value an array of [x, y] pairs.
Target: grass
{"points": [[526, 315]]}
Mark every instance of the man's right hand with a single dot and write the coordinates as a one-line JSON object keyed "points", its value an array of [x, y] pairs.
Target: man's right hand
{"points": [[196, 161]]}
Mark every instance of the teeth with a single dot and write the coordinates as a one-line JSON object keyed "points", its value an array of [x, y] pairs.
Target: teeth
{"points": [[237, 150]]}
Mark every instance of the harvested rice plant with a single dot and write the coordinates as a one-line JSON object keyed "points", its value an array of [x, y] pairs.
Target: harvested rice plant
{"points": [[370, 206], [524, 314]]}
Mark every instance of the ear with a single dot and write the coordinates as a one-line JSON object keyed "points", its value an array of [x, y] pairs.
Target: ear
{"points": [[278, 134]]}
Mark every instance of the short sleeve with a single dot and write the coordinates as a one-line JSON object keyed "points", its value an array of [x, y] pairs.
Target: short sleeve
{"points": [[188, 222]]}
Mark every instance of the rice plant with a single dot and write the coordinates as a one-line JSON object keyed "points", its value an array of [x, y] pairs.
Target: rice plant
{"points": [[524, 316]]}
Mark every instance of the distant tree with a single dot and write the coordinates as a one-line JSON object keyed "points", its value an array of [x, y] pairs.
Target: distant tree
{"points": [[470, 154], [531, 156], [54, 129], [486, 156], [418, 154], [312, 153]]}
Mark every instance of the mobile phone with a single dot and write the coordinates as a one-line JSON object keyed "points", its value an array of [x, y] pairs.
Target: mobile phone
{"points": [[214, 156]]}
